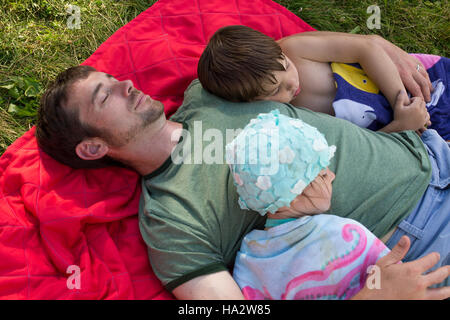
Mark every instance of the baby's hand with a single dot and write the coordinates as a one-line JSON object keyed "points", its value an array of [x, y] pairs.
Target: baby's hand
{"points": [[411, 114]]}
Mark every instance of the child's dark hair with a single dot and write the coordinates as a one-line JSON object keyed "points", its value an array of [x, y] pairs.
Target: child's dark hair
{"points": [[237, 62]]}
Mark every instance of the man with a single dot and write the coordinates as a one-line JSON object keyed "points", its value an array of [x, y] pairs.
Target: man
{"points": [[188, 212]]}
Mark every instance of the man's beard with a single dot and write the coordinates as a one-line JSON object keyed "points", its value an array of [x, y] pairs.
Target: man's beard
{"points": [[146, 119], [151, 115]]}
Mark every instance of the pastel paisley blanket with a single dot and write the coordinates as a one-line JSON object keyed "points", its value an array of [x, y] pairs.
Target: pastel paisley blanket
{"points": [[313, 257]]}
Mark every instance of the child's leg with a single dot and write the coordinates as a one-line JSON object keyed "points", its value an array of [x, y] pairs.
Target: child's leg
{"points": [[428, 226]]}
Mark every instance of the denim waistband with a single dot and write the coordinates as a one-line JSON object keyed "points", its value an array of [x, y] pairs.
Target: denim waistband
{"points": [[439, 154]]}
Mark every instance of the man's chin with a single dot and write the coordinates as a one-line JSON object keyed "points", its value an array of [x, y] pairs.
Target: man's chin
{"points": [[153, 114]]}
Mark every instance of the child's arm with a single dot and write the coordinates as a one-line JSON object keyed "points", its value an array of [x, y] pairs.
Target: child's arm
{"points": [[416, 82], [340, 47], [328, 47]]}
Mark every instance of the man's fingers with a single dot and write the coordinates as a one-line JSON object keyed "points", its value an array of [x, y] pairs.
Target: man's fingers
{"points": [[424, 84], [423, 71], [425, 263], [437, 276], [425, 74], [438, 293], [412, 86], [397, 253]]}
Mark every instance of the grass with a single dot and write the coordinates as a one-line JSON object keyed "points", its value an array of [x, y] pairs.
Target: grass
{"points": [[36, 44]]}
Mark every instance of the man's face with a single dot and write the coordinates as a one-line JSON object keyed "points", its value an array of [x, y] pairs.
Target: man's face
{"points": [[116, 108]]}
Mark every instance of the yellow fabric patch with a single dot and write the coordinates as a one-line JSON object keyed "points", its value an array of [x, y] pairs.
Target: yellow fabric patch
{"points": [[355, 76]]}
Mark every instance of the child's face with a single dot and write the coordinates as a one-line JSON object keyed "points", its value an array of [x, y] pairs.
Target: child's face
{"points": [[287, 85], [315, 198]]}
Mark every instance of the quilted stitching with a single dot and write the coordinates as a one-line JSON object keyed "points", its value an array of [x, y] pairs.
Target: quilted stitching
{"points": [[52, 216], [156, 42]]}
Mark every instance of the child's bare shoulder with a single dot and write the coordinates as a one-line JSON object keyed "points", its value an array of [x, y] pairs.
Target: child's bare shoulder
{"points": [[291, 49], [286, 43]]}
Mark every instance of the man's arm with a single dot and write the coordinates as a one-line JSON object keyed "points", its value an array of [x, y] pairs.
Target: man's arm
{"points": [[214, 286]]}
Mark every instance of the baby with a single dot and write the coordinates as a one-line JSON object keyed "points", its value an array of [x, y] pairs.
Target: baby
{"points": [[301, 254], [348, 76]]}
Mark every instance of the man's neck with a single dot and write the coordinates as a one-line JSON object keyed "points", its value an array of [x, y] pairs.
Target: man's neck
{"points": [[153, 148], [161, 147]]}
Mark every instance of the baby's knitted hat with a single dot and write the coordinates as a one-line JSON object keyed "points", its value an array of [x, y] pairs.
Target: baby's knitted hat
{"points": [[274, 158]]}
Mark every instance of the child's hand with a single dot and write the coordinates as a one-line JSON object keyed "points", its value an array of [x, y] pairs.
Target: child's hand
{"points": [[411, 114]]}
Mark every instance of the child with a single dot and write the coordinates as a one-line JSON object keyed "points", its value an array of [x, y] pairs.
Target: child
{"points": [[301, 254], [242, 64]]}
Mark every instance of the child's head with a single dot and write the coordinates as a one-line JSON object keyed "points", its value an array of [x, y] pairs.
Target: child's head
{"points": [[280, 164], [242, 64]]}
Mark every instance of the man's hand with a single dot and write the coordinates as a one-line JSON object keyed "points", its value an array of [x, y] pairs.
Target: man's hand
{"points": [[416, 82], [401, 281]]}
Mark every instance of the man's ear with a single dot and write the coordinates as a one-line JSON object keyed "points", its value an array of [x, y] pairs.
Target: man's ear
{"points": [[91, 149]]}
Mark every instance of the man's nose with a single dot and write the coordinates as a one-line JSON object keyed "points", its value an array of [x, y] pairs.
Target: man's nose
{"points": [[125, 87]]}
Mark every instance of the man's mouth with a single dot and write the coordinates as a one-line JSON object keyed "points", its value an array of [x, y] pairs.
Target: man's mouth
{"points": [[139, 100]]}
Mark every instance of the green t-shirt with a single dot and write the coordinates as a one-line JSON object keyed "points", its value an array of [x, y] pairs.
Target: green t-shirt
{"points": [[189, 213]]}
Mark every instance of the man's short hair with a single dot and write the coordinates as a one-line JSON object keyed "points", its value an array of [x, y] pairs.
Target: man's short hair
{"points": [[237, 62], [59, 129]]}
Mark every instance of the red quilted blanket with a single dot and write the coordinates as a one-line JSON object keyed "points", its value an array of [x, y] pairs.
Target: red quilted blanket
{"points": [[73, 234]]}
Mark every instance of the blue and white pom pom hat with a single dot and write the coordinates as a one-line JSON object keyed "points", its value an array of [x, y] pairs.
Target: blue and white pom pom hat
{"points": [[273, 159]]}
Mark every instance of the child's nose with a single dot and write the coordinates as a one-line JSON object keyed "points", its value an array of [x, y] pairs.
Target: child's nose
{"points": [[290, 85]]}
